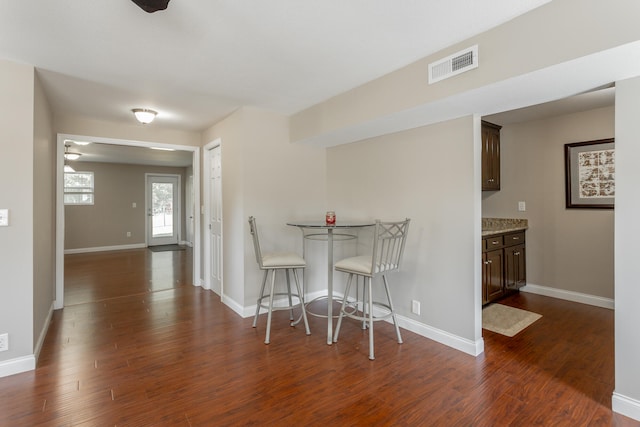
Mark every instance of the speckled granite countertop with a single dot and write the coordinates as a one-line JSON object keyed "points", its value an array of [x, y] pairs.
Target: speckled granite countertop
{"points": [[491, 226]]}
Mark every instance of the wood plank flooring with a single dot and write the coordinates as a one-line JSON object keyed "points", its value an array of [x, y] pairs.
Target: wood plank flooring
{"points": [[137, 345]]}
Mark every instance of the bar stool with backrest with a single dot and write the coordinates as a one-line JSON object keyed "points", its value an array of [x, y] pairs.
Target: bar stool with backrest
{"points": [[389, 239], [271, 263]]}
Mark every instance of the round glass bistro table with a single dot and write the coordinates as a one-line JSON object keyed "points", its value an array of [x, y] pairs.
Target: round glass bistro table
{"points": [[320, 230]]}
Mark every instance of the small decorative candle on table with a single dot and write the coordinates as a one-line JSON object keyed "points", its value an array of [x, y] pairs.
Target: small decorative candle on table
{"points": [[331, 218]]}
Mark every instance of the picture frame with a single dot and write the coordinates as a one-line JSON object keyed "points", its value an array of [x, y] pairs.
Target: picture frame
{"points": [[590, 174]]}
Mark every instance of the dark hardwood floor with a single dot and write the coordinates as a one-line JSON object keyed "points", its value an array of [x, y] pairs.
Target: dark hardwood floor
{"points": [[137, 345]]}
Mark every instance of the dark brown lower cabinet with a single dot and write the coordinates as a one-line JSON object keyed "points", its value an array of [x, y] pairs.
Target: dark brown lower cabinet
{"points": [[493, 276], [514, 267], [503, 265]]}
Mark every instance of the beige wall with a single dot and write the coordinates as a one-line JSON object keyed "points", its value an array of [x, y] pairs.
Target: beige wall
{"points": [[107, 221], [17, 194], [133, 131], [567, 249], [230, 131], [44, 212], [507, 54], [265, 176], [426, 174], [627, 234]]}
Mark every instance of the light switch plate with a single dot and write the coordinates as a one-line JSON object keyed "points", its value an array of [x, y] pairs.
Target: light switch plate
{"points": [[522, 206], [4, 217]]}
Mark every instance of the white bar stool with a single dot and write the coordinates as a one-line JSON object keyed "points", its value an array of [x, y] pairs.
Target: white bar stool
{"points": [[270, 263], [388, 246]]}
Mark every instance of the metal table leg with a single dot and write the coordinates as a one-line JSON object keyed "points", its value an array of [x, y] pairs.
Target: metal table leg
{"points": [[330, 286]]}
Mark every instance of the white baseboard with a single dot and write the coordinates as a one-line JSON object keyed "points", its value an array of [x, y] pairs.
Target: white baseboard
{"points": [[17, 365], [474, 348], [569, 296], [27, 363], [251, 310], [104, 248], [462, 344], [625, 406], [43, 333], [235, 306], [450, 340]]}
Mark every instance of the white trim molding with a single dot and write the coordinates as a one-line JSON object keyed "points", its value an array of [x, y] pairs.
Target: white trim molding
{"points": [[450, 340], [569, 296], [626, 406], [105, 248], [443, 337], [43, 332], [17, 365], [238, 308]]}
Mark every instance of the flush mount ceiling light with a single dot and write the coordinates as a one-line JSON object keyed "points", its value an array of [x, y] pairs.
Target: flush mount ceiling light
{"points": [[69, 155], [144, 115], [71, 141]]}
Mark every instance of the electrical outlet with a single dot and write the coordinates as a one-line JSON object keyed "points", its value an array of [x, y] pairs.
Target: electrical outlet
{"points": [[415, 307], [4, 342], [128, 234], [522, 206]]}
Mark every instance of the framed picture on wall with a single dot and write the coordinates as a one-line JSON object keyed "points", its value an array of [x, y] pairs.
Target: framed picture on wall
{"points": [[590, 174]]}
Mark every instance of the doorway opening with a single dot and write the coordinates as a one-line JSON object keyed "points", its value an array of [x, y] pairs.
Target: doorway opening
{"points": [[163, 200], [129, 153]]}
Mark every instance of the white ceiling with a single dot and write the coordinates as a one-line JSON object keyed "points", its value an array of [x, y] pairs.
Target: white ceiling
{"points": [[603, 97], [199, 60]]}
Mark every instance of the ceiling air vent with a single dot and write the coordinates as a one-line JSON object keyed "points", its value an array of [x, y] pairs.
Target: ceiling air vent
{"points": [[452, 65]]}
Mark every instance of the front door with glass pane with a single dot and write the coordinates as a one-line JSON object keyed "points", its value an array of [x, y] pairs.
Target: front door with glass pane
{"points": [[163, 211]]}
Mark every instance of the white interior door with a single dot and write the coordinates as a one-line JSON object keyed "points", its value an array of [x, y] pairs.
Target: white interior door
{"points": [[163, 209], [215, 219], [190, 208]]}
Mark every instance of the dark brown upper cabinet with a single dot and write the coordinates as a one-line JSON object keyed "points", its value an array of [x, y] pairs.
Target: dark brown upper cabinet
{"points": [[490, 156]]}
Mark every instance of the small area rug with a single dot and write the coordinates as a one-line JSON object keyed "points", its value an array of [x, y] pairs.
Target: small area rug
{"points": [[507, 320], [165, 248]]}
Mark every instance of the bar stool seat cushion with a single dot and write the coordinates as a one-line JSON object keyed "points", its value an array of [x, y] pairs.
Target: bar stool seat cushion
{"points": [[361, 265], [356, 264], [283, 260]]}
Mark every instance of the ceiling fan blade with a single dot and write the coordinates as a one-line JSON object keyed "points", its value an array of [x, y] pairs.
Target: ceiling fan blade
{"points": [[152, 5]]}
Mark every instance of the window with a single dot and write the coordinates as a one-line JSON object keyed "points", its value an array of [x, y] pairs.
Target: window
{"points": [[78, 188]]}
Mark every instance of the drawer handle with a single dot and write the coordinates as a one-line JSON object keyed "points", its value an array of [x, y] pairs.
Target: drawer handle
{"points": [[495, 243], [515, 238], [516, 253]]}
